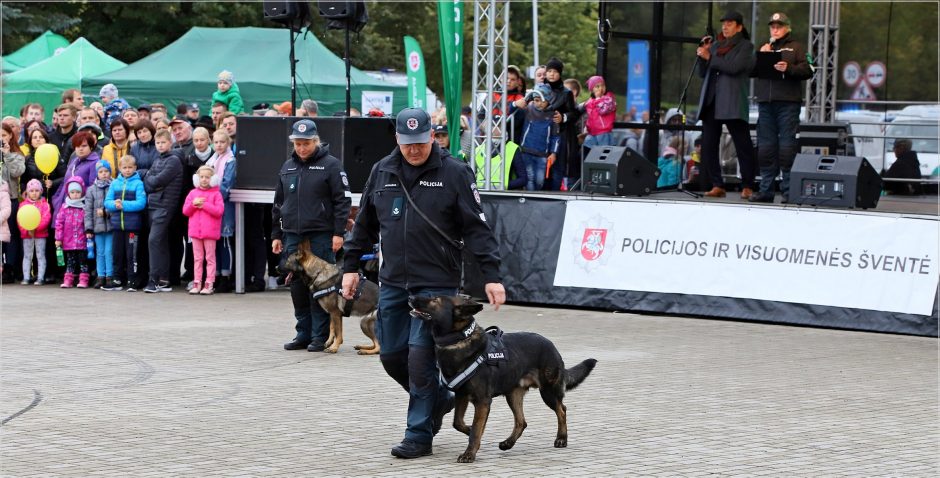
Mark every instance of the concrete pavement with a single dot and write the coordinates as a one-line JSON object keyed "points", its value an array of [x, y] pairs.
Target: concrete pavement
{"points": [[119, 384]]}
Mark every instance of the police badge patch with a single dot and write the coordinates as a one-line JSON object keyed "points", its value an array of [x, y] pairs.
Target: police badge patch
{"points": [[345, 179], [476, 193]]}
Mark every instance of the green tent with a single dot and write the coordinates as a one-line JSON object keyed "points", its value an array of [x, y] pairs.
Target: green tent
{"points": [[45, 81], [186, 71], [44, 46]]}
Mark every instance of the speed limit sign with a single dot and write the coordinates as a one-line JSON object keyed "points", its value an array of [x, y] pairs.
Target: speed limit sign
{"points": [[851, 74]]}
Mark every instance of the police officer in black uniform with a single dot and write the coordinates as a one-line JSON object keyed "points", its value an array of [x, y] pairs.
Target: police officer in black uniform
{"points": [[311, 202], [417, 259]]}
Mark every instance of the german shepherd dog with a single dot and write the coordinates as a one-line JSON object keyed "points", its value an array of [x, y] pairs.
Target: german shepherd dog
{"points": [[523, 360], [318, 274]]}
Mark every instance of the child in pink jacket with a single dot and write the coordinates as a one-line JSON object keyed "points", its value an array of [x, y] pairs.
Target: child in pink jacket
{"points": [[34, 242], [601, 112], [70, 233], [204, 208]]}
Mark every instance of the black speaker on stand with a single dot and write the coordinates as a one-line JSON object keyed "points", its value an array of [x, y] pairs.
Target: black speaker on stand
{"points": [[618, 171], [348, 16], [296, 16]]}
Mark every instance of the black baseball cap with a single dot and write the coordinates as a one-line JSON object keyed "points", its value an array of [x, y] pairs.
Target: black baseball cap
{"points": [[780, 18], [413, 126], [733, 15], [303, 129], [440, 129], [145, 106]]}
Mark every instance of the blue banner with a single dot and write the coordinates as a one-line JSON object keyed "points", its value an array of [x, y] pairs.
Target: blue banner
{"points": [[638, 77]]}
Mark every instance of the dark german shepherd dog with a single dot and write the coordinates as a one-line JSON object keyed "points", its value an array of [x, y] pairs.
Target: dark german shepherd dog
{"points": [[505, 364], [318, 275]]}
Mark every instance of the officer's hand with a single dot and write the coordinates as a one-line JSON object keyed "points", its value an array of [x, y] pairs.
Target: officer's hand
{"points": [[277, 246], [337, 243], [350, 284], [494, 292], [766, 47]]}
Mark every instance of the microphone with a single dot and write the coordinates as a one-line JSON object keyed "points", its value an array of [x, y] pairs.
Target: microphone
{"points": [[705, 40], [771, 41]]}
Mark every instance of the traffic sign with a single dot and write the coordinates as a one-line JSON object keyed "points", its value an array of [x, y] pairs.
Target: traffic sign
{"points": [[851, 74], [863, 92], [875, 74]]}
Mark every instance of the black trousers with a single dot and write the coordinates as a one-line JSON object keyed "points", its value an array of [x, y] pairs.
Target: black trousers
{"points": [[124, 254], [711, 140]]}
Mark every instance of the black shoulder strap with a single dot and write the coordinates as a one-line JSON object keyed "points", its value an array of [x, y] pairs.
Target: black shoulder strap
{"points": [[458, 244]]}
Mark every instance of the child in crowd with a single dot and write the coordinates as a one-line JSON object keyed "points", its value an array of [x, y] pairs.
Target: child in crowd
{"points": [[97, 224], [201, 145], [540, 139], [228, 93], [204, 209], [222, 163], [601, 112], [163, 183], [125, 203], [70, 233], [670, 165], [34, 242]]}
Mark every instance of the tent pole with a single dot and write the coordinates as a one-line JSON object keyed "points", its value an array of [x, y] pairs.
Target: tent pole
{"points": [[293, 72], [347, 73]]}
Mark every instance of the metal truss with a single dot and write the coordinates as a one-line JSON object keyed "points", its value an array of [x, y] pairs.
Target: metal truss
{"points": [[490, 59], [824, 48]]}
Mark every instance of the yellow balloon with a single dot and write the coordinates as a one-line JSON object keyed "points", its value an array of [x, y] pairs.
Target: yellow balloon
{"points": [[28, 217], [47, 157]]}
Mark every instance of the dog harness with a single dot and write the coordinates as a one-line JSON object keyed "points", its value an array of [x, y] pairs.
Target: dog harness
{"points": [[494, 353], [337, 288]]}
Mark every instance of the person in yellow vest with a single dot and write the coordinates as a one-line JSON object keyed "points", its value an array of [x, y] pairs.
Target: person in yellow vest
{"points": [[511, 177]]}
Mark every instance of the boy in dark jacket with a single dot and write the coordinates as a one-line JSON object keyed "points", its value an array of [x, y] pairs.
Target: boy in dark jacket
{"points": [[125, 203], [540, 141], [163, 183]]}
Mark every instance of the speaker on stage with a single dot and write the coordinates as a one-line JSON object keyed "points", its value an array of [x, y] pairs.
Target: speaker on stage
{"points": [[262, 147], [618, 171], [834, 181], [287, 12]]}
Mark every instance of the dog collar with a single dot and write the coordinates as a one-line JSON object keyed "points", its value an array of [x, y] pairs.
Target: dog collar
{"points": [[454, 337]]}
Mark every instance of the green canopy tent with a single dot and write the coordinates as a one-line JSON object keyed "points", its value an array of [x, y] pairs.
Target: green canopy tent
{"points": [[186, 70], [44, 46], [45, 81]]}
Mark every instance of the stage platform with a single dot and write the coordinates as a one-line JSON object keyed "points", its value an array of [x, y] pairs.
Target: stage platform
{"points": [[671, 253]]}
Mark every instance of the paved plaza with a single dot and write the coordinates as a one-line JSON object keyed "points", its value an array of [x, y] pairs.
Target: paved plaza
{"points": [[136, 385]]}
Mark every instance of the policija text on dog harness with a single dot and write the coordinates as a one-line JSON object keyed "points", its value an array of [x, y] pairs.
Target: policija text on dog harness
{"points": [[494, 353]]}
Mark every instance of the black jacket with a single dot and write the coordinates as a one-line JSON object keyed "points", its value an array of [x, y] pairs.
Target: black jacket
{"points": [[190, 163], [311, 196], [786, 86], [163, 183], [413, 253]]}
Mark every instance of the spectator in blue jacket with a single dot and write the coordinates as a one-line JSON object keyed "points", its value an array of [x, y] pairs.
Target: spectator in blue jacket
{"points": [[125, 203]]}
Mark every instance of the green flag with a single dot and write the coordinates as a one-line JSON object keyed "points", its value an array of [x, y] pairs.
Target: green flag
{"points": [[450, 27], [417, 82]]}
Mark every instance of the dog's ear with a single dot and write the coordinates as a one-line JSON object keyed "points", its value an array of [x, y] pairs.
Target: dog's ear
{"points": [[468, 308]]}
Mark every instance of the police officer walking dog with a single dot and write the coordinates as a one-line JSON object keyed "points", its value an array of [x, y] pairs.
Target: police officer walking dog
{"points": [[311, 202], [423, 204]]}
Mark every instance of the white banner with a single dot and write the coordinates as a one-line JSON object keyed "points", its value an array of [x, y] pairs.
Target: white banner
{"points": [[864, 261]]}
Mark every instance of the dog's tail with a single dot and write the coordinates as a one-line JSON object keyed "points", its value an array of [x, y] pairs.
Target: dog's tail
{"points": [[575, 375]]}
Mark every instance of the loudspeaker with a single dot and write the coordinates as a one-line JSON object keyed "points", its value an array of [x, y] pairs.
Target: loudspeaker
{"points": [[834, 181], [286, 12], [618, 171], [337, 10], [262, 147]]}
